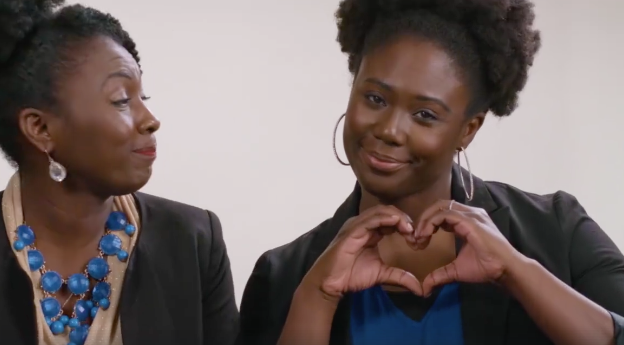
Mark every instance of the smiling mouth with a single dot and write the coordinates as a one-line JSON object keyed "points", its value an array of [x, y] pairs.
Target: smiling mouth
{"points": [[147, 151], [381, 163]]}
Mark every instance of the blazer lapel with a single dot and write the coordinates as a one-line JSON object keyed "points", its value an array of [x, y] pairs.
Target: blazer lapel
{"points": [[17, 312], [483, 306], [340, 326], [144, 316]]}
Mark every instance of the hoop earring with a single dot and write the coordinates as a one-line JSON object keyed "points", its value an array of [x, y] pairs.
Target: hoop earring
{"points": [[56, 170], [334, 141], [469, 195]]}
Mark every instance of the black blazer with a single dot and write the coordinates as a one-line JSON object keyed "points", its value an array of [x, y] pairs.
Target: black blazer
{"points": [[177, 289], [552, 229]]}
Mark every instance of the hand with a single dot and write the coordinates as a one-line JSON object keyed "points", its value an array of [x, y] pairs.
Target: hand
{"points": [[485, 255], [352, 262]]}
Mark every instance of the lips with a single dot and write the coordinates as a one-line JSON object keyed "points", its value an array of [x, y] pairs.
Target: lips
{"points": [[146, 151], [381, 162]]}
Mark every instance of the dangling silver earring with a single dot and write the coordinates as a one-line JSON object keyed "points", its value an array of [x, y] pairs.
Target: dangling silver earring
{"points": [[469, 195], [56, 170], [334, 141]]}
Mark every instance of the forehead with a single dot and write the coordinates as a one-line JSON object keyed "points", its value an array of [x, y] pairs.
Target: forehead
{"points": [[95, 60], [414, 65]]}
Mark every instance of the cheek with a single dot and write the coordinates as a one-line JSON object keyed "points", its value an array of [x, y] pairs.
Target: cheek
{"points": [[104, 131], [120, 127], [430, 143], [358, 119]]}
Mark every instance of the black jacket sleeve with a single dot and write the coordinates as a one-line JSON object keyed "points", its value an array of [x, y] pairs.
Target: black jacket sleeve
{"points": [[259, 323], [220, 314], [596, 263]]}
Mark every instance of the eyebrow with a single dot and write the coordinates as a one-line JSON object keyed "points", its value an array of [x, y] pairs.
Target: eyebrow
{"points": [[423, 98], [118, 74]]}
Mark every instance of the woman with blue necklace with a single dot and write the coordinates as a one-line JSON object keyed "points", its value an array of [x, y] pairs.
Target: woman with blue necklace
{"points": [[85, 259]]}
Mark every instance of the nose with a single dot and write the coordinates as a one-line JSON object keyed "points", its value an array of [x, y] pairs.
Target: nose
{"points": [[389, 129], [148, 123]]}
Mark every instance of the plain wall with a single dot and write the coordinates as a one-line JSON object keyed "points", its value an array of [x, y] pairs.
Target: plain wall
{"points": [[249, 91]]}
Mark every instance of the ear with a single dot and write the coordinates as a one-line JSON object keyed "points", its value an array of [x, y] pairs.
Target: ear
{"points": [[471, 127], [34, 126]]}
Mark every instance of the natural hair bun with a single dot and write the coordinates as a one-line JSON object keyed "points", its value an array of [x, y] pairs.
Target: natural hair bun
{"points": [[18, 18]]}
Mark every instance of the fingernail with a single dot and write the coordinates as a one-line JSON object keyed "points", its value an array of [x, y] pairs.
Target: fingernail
{"points": [[410, 228], [409, 220]]}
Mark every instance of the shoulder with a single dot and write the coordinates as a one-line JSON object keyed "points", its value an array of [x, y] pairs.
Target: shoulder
{"points": [[178, 229], [555, 229], [180, 233], [275, 278], [169, 215], [505, 192], [153, 205], [558, 206], [293, 258], [281, 269]]}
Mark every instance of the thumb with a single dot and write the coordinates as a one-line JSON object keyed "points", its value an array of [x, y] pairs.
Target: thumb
{"points": [[399, 277], [443, 275]]}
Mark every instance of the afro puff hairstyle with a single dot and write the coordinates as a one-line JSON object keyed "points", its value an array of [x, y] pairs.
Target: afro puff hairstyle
{"points": [[37, 41], [493, 41]]}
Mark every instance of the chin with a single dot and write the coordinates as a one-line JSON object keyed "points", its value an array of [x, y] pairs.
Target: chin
{"points": [[133, 182], [386, 192], [383, 187]]}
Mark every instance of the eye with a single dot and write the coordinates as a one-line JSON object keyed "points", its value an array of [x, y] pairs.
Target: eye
{"points": [[376, 99], [122, 102], [425, 115]]}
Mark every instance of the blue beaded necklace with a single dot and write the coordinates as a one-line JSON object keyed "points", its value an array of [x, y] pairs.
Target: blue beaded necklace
{"points": [[78, 284]]}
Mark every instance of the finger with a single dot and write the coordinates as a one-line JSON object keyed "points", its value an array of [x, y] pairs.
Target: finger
{"points": [[443, 275], [375, 223], [440, 205], [384, 209], [404, 225], [364, 234], [458, 222], [384, 231], [398, 277], [422, 242]]}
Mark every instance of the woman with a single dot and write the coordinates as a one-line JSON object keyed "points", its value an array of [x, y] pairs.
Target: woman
{"points": [[509, 267], [84, 257]]}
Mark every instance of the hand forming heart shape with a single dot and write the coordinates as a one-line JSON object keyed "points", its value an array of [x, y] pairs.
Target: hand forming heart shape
{"points": [[352, 261], [484, 255]]}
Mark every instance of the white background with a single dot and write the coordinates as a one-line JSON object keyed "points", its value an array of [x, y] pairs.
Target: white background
{"points": [[249, 91]]}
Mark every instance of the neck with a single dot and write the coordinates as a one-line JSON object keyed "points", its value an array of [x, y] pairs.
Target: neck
{"points": [[60, 216], [415, 204]]}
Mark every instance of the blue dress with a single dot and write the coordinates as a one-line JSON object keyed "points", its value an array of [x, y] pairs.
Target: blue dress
{"points": [[375, 320]]}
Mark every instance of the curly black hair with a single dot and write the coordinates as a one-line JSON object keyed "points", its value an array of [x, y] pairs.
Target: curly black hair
{"points": [[493, 41], [37, 45]]}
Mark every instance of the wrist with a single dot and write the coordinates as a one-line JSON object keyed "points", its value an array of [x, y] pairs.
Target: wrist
{"points": [[517, 266], [313, 295], [310, 317]]}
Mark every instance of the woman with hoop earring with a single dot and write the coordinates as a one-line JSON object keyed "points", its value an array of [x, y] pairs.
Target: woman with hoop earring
{"points": [[422, 252]]}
